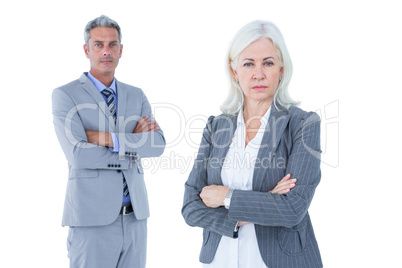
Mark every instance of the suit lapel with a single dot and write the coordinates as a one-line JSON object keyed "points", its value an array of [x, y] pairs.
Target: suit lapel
{"points": [[221, 140], [90, 88], [223, 135], [121, 101], [277, 123]]}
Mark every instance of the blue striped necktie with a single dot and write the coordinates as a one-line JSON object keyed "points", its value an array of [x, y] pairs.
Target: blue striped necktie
{"points": [[110, 102], [108, 92]]}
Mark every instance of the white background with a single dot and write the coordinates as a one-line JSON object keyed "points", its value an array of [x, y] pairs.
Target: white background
{"points": [[347, 57]]}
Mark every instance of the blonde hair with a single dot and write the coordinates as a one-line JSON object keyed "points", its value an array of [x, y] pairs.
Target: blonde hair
{"points": [[245, 36]]}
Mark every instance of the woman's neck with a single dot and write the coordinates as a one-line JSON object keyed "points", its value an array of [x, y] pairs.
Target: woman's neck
{"points": [[255, 110]]}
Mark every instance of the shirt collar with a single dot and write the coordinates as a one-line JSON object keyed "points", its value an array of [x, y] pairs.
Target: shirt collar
{"points": [[99, 85], [240, 117]]}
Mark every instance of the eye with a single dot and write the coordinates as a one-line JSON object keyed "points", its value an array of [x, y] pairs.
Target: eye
{"points": [[248, 64], [268, 63]]}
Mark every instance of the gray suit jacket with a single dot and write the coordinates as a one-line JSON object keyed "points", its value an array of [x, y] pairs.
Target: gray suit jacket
{"points": [[95, 180], [291, 144]]}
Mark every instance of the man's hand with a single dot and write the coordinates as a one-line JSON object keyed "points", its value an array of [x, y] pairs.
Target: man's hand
{"points": [[213, 195], [146, 126], [99, 138]]}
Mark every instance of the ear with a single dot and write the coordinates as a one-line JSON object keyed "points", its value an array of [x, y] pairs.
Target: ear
{"points": [[121, 50], [233, 71], [281, 72], [86, 51]]}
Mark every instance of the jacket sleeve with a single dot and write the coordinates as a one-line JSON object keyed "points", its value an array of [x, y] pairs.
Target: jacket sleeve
{"points": [[194, 211], [145, 144], [289, 209], [71, 134]]}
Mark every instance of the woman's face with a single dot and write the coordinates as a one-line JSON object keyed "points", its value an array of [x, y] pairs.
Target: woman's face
{"points": [[258, 71]]}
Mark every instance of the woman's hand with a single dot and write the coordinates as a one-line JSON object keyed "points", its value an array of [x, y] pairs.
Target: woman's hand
{"points": [[284, 185], [241, 223], [213, 195]]}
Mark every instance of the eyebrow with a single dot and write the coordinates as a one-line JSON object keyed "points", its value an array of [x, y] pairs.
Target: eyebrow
{"points": [[98, 41], [250, 59]]}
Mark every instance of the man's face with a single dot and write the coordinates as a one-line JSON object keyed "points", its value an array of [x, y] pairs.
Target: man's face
{"points": [[103, 51]]}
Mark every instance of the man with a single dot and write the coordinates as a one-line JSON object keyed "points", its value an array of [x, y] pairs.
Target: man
{"points": [[105, 127]]}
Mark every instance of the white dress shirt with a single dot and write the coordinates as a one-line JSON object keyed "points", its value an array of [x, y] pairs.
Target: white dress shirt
{"points": [[237, 172]]}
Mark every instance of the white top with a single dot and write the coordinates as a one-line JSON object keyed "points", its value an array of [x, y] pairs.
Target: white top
{"points": [[237, 172]]}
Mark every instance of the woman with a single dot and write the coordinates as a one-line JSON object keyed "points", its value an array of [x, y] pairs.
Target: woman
{"points": [[242, 189]]}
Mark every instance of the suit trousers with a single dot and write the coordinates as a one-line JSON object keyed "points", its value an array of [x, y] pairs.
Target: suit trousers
{"points": [[120, 244]]}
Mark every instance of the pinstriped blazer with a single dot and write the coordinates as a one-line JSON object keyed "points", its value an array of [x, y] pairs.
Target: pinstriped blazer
{"points": [[291, 144]]}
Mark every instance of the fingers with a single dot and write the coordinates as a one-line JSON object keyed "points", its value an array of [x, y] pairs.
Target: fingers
{"points": [[149, 126], [285, 189], [152, 126], [142, 124], [285, 178], [284, 185], [146, 126]]}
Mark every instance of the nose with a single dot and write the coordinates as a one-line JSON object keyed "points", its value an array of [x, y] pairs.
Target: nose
{"points": [[106, 51], [258, 74]]}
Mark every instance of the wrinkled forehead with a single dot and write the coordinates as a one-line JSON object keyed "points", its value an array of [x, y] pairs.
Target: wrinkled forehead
{"points": [[106, 34], [260, 49]]}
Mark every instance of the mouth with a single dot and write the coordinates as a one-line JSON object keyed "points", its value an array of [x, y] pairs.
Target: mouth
{"points": [[106, 60], [259, 88]]}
